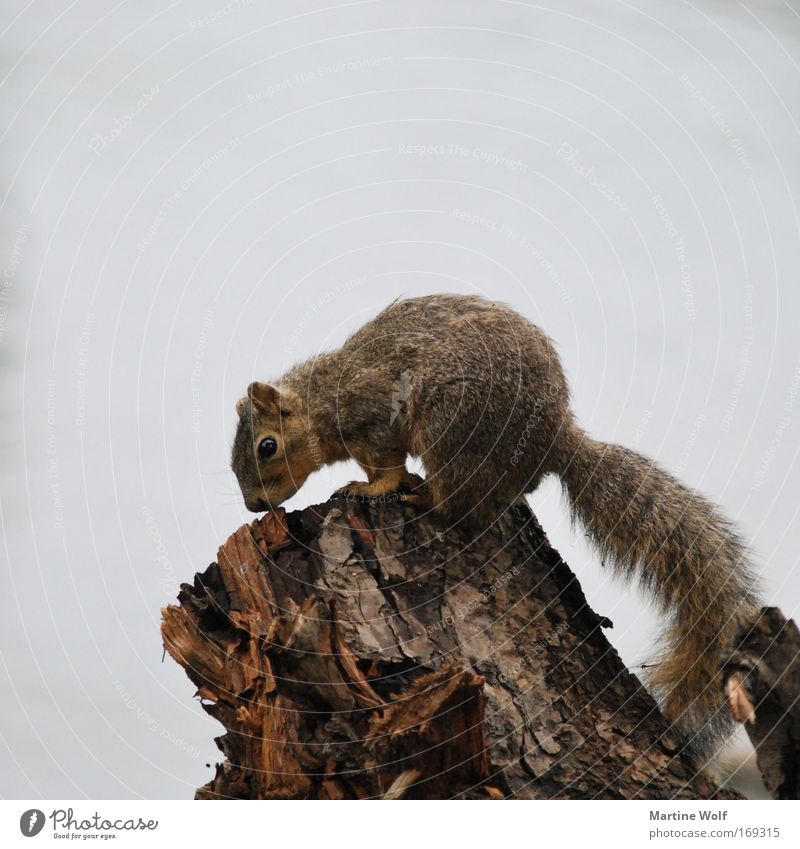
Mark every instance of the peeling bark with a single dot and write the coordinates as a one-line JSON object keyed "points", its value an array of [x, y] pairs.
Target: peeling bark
{"points": [[762, 682], [361, 651]]}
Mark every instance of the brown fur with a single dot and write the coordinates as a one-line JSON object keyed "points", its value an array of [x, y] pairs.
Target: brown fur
{"points": [[477, 392]]}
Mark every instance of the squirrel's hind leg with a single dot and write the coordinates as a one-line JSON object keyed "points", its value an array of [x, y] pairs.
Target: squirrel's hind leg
{"points": [[458, 505]]}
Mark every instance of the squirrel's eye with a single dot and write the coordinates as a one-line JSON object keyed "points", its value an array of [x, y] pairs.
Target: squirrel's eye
{"points": [[266, 448]]}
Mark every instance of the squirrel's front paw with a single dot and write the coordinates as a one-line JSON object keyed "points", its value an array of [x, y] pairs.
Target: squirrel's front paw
{"points": [[361, 489], [398, 484]]}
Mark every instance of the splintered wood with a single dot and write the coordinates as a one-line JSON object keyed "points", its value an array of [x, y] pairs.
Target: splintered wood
{"points": [[762, 682], [360, 651]]}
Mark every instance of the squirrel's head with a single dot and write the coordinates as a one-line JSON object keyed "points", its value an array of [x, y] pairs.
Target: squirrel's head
{"points": [[272, 454]]}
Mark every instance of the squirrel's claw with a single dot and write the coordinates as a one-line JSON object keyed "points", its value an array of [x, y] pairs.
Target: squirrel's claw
{"points": [[361, 489], [388, 485]]}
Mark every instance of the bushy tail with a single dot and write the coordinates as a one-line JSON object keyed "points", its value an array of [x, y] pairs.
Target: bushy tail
{"points": [[685, 555]]}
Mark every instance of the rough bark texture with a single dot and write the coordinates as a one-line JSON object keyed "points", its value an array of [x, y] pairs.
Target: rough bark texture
{"points": [[357, 651], [763, 686]]}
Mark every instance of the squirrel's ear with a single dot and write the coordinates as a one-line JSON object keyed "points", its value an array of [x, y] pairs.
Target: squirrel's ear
{"points": [[263, 395], [240, 406]]}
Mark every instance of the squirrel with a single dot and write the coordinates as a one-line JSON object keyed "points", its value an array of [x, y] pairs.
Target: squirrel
{"points": [[478, 394]]}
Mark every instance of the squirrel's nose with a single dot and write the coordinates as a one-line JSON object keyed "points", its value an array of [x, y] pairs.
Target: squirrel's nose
{"points": [[257, 505]]}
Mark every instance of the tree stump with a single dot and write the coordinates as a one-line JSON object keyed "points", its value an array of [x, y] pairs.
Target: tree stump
{"points": [[356, 650]]}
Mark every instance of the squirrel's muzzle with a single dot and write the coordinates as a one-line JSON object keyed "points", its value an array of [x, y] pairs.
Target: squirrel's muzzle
{"points": [[256, 505]]}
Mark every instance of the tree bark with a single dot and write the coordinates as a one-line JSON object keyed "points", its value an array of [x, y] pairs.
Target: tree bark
{"points": [[361, 651], [763, 686]]}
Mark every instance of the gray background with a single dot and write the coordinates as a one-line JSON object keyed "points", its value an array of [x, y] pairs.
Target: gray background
{"points": [[198, 194]]}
